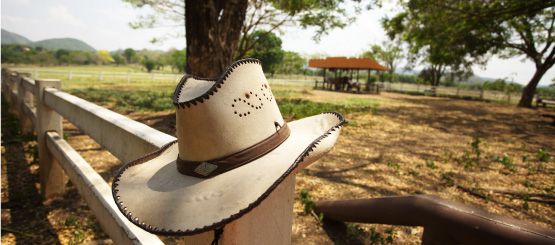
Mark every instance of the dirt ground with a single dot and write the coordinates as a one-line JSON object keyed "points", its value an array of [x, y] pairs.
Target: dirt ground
{"points": [[408, 145]]}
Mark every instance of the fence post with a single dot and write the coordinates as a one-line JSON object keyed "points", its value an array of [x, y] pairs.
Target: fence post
{"points": [[23, 97], [481, 93], [52, 177], [253, 227], [69, 75], [13, 100]]}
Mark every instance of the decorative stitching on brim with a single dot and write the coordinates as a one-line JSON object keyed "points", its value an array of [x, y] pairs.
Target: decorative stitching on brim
{"points": [[214, 89], [169, 232]]}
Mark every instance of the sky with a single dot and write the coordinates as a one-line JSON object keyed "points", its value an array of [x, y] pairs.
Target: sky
{"points": [[104, 24]]}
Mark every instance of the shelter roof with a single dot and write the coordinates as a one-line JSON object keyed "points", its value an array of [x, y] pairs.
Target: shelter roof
{"points": [[346, 63]]}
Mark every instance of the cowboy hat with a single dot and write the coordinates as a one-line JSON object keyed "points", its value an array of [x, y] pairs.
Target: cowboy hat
{"points": [[233, 149]]}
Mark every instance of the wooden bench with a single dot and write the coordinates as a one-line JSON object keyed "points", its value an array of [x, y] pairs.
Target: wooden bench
{"points": [[544, 102]]}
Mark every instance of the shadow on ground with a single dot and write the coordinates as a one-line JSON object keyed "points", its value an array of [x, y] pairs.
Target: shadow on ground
{"points": [[26, 219]]}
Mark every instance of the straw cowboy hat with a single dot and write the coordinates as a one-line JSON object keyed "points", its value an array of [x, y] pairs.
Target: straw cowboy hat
{"points": [[233, 149]]}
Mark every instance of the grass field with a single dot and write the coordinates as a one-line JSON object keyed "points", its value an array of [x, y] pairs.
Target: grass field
{"points": [[393, 144]]}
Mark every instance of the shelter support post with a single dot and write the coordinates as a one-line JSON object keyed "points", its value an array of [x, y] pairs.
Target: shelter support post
{"points": [[324, 79]]}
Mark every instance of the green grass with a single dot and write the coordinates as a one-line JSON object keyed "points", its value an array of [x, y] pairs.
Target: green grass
{"points": [[144, 94], [160, 100], [298, 108], [125, 100], [94, 68]]}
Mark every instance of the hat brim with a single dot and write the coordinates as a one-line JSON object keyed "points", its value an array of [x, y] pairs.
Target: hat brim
{"points": [[153, 195]]}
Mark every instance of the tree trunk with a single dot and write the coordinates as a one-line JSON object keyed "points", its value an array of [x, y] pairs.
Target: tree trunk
{"points": [[213, 28], [530, 90]]}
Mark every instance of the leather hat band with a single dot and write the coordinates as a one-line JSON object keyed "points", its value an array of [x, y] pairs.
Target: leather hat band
{"points": [[211, 168]]}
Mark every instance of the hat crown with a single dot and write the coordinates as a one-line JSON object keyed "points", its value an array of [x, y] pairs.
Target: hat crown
{"points": [[215, 118]]}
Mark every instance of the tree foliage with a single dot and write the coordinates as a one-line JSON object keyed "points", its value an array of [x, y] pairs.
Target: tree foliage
{"points": [[267, 50], [19, 54], [389, 54], [149, 64], [501, 85], [292, 63], [105, 57], [177, 60], [270, 15], [454, 34], [129, 55]]}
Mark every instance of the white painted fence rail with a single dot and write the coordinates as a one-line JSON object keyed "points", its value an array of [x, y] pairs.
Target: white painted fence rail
{"points": [[123, 137]]}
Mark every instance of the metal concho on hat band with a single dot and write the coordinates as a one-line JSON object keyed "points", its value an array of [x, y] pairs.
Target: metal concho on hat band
{"points": [[211, 168]]}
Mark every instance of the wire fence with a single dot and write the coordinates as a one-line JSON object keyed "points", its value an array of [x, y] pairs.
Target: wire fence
{"points": [[276, 79], [505, 97]]}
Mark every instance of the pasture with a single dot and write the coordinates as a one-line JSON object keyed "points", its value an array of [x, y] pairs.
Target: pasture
{"points": [[494, 156]]}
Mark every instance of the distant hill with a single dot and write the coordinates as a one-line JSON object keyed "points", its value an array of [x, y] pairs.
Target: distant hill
{"points": [[63, 43], [52, 43], [12, 38]]}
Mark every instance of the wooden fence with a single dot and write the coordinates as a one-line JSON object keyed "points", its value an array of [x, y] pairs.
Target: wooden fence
{"points": [[40, 106]]}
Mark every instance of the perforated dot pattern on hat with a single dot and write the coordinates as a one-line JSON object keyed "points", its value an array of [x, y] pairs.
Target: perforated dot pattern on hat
{"points": [[252, 101]]}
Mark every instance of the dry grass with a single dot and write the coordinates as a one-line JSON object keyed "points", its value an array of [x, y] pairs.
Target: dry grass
{"points": [[405, 145], [411, 144]]}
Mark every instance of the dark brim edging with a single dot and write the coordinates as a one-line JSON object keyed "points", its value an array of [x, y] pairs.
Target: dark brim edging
{"points": [[169, 232]]}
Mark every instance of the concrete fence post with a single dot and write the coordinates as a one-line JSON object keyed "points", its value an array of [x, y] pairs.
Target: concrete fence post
{"points": [[23, 97], [6, 84], [52, 177], [12, 80]]}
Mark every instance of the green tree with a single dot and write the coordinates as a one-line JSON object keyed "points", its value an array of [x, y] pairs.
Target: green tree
{"points": [[177, 60], [213, 28], [129, 54], [292, 63], [149, 64], [472, 30], [15, 54], [118, 59], [62, 55], [388, 54], [428, 44], [267, 50]]}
